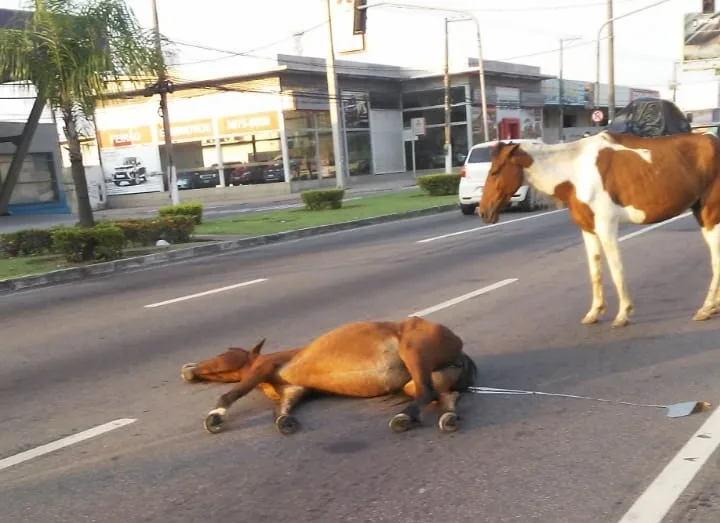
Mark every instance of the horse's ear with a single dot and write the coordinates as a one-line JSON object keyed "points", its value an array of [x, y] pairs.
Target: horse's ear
{"points": [[256, 349]]}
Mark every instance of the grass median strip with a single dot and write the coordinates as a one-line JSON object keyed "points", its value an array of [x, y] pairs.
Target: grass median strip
{"points": [[249, 225], [293, 219]]}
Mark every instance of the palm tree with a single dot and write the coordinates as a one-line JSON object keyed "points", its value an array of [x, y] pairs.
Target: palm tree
{"points": [[74, 52]]}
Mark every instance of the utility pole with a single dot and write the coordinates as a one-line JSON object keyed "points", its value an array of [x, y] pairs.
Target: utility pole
{"points": [[611, 62], [448, 134], [162, 87], [333, 102], [674, 82], [561, 95]]}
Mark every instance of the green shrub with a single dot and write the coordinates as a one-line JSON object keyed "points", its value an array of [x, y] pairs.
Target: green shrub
{"points": [[323, 198], [147, 231], [100, 243], [28, 242], [183, 209], [439, 184]]}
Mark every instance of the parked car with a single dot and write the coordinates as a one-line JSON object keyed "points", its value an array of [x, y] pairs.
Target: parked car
{"points": [[475, 171], [130, 172], [197, 179]]}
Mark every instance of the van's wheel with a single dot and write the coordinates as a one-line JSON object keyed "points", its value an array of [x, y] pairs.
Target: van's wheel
{"points": [[468, 209]]}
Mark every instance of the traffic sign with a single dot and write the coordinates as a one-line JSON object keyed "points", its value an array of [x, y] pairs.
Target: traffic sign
{"points": [[597, 116], [418, 126]]}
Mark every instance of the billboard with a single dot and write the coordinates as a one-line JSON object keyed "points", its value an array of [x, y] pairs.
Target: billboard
{"points": [[345, 40], [701, 41], [130, 161]]}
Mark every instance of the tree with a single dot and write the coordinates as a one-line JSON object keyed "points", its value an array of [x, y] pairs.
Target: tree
{"points": [[74, 52]]}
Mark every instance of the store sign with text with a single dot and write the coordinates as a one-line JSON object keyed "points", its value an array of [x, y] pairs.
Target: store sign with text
{"points": [[189, 131], [125, 137], [248, 124]]}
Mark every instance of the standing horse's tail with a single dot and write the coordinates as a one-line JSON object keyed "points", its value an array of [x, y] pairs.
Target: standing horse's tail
{"points": [[468, 374]]}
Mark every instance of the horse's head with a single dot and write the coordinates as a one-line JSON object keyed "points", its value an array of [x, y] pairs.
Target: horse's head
{"points": [[229, 366], [503, 180]]}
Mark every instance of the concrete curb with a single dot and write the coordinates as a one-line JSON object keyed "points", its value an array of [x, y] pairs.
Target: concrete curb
{"points": [[163, 258]]}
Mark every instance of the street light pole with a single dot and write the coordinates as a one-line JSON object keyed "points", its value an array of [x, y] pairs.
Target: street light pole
{"points": [[611, 63], [448, 134], [333, 101], [561, 87], [162, 88], [597, 49], [481, 67]]}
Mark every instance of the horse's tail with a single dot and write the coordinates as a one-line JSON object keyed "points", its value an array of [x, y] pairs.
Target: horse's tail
{"points": [[468, 376]]}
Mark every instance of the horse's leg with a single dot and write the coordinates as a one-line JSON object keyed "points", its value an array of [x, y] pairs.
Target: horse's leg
{"points": [[443, 381], [420, 370], [594, 259], [712, 238], [289, 397], [607, 232], [256, 376]]}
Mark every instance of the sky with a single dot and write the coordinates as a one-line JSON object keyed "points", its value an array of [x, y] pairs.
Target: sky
{"points": [[647, 44]]}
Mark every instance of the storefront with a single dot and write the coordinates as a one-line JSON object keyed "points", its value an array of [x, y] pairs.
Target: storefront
{"points": [[39, 188]]}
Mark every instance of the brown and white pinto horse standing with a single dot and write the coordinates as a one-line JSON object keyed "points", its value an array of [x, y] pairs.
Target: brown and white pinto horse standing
{"points": [[424, 360], [608, 179]]}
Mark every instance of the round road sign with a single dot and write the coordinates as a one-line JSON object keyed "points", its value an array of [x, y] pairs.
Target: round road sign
{"points": [[597, 116]]}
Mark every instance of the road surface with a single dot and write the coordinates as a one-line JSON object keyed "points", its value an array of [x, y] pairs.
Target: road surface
{"points": [[76, 358]]}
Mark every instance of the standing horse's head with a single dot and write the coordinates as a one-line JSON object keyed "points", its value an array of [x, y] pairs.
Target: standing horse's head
{"points": [[503, 180], [229, 366]]}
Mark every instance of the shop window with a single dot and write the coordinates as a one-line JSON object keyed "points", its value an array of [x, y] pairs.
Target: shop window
{"points": [[436, 116], [433, 97], [37, 182], [359, 153], [384, 100]]}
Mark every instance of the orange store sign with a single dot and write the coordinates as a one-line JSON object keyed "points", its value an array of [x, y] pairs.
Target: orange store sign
{"points": [[249, 123], [125, 137], [192, 130]]}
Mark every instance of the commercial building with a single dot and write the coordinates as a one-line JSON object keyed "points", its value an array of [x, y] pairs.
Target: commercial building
{"points": [[280, 117]]}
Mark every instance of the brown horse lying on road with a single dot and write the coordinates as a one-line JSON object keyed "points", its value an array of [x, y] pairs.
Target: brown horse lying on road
{"points": [[424, 360]]}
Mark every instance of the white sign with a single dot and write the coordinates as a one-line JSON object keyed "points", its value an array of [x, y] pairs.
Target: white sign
{"points": [[343, 16], [597, 116], [418, 126]]}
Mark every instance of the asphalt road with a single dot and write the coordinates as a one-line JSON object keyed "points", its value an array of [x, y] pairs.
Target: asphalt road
{"points": [[76, 357]]}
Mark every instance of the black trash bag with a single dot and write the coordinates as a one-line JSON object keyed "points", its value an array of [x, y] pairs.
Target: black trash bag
{"points": [[650, 117]]}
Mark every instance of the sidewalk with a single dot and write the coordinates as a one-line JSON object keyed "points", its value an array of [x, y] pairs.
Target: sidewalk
{"points": [[360, 186]]}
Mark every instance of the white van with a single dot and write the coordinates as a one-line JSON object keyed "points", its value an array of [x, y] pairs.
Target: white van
{"points": [[475, 171]]}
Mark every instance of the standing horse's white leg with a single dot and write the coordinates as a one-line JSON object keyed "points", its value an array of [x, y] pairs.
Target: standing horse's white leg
{"points": [[594, 259], [712, 238], [607, 232]]}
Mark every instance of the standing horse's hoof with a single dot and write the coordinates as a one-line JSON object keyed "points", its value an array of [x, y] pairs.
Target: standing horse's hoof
{"points": [[448, 422], [188, 372], [620, 322], [286, 424], [400, 423], [214, 422], [703, 314]]}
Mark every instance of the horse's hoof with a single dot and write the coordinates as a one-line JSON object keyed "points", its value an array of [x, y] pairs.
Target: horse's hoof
{"points": [[619, 323], [213, 423], [400, 423], [188, 372], [703, 314], [448, 422], [286, 424], [589, 319]]}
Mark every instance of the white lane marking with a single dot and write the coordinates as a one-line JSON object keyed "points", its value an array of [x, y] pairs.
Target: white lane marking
{"points": [[200, 294], [498, 224], [661, 495], [464, 297], [651, 227], [64, 442]]}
